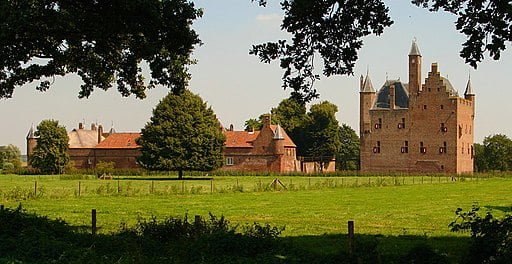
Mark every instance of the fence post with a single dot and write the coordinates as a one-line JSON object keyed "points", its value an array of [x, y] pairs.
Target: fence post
{"points": [[1, 207], [79, 188], [211, 186], [351, 242], [369, 182], [118, 187], [35, 188], [93, 221], [309, 183], [183, 187], [431, 177], [237, 183], [412, 180], [421, 179]]}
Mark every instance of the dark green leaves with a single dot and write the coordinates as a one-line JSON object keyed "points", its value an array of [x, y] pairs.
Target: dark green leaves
{"points": [[51, 152], [104, 42]]}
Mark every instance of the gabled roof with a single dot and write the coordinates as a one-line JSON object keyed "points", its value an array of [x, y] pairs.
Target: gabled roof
{"points": [[82, 138], [120, 141]]}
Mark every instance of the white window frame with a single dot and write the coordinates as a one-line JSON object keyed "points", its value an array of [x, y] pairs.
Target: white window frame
{"points": [[230, 161]]}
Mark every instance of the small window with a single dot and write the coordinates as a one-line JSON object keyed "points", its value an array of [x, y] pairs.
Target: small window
{"points": [[442, 150], [438, 89], [442, 107], [429, 89], [423, 149], [377, 148], [443, 128], [401, 125], [379, 124], [230, 161], [405, 148], [424, 107]]}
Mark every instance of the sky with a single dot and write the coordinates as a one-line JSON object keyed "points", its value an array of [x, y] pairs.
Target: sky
{"points": [[238, 87]]}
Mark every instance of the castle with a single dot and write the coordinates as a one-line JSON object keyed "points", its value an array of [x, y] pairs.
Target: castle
{"points": [[415, 127]]}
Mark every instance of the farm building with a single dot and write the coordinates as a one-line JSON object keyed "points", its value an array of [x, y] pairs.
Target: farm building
{"points": [[267, 150], [416, 127]]}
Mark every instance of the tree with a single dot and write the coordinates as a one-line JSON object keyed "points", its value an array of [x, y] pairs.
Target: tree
{"points": [[334, 30], [51, 152], [322, 132], [104, 42], [10, 158], [347, 157], [480, 161], [183, 134], [253, 124], [498, 152]]}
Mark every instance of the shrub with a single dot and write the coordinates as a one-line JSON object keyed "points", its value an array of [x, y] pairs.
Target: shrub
{"points": [[491, 238]]}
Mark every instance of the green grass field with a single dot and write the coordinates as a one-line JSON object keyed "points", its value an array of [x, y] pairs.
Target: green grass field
{"points": [[309, 206]]}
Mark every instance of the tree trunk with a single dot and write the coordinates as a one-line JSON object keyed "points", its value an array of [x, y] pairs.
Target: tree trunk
{"points": [[180, 174]]}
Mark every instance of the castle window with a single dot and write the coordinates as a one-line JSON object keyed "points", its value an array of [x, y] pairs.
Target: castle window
{"points": [[423, 149], [442, 107], [230, 161], [401, 125], [429, 89], [379, 124], [472, 153], [443, 128], [424, 107], [405, 148], [438, 89], [442, 150], [377, 148]]}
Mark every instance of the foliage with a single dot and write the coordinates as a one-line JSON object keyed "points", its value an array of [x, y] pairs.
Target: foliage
{"points": [[347, 157], [494, 154], [104, 42], [253, 124], [487, 25], [105, 167], [183, 134], [51, 152], [10, 158], [322, 130], [332, 29], [491, 237]]}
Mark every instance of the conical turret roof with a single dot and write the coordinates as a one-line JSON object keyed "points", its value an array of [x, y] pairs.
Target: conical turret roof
{"points": [[469, 88], [31, 132], [278, 133], [367, 85], [415, 51]]}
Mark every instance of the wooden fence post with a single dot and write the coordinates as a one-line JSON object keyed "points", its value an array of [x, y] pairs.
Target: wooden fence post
{"points": [[118, 187], [79, 188], [93, 221], [211, 186], [351, 236], [183, 187], [35, 188], [152, 186]]}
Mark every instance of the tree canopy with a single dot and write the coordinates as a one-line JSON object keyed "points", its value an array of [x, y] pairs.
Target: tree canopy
{"points": [[347, 158], [104, 42], [10, 157], [333, 30], [495, 154], [182, 135], [50, 155]]}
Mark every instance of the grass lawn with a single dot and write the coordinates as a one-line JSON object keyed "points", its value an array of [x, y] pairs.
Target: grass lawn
{"points": [[310, 206]]}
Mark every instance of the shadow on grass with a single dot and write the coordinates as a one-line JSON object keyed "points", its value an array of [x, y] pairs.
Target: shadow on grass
{"points": [[206, 241], [505, 209]]}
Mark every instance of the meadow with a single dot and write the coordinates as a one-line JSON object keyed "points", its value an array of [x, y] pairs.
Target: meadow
{"points": [[419, 205]]}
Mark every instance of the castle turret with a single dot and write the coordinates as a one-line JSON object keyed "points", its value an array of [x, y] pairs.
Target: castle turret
{"points": [[279, 140], [469, 94], [31, 143], [414, 70], [366, 99]]}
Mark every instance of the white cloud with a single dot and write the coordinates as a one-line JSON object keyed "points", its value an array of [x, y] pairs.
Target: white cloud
{"points": [[268, 17]]}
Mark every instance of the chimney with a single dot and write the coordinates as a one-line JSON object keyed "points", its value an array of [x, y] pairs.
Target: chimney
{"points": [[100, 133], [93, 126], [80, 125], [392, 96], [266, 120], [231, 128]]}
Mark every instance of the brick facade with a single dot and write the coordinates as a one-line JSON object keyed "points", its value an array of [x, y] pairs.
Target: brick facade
{"points": [[414, 127]]}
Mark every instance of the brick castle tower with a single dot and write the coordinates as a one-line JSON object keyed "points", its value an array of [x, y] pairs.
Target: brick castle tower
{"points": [[415, 127]]}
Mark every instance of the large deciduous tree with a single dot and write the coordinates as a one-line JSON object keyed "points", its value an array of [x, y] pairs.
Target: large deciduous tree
{"points": [[333, 31], [182, 135], [51, 152], [10, 157], [104, 42], [498, 152]]}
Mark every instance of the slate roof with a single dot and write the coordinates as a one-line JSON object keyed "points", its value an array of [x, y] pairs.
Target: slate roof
{"points": [[469, 89], [120, 141], [415, 51], [401, 95]]}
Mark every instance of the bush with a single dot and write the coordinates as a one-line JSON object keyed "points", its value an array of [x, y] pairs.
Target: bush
{"points": [[105, 167], [491, 238]]}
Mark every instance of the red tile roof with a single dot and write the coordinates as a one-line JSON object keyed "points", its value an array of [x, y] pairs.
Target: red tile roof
{"points": [[240, 139], [244, 139], [120, 141]]}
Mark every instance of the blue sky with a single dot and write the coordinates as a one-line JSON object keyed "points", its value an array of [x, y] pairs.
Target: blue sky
{"points": [[238, 86]]}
